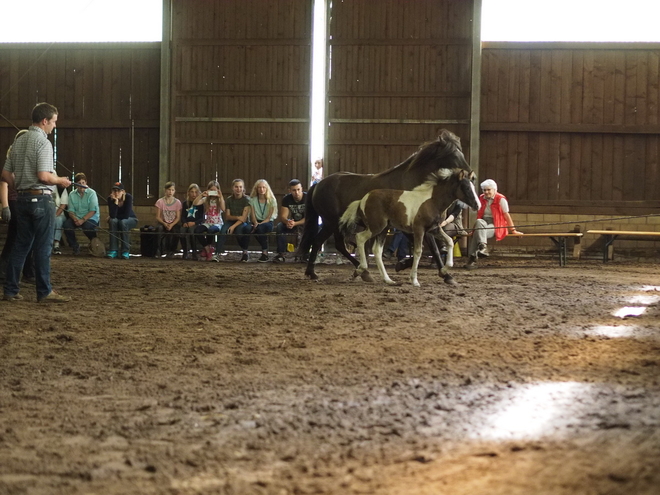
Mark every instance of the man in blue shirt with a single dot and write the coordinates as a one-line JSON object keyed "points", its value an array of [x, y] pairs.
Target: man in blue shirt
{"points": [[83, 212]]}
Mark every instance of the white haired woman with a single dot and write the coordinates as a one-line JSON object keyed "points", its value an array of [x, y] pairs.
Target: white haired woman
{"points": [[493, 220]]}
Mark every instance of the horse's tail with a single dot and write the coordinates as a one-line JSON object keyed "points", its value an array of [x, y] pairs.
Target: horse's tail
{"points": [[311, 227], [349, 220]]}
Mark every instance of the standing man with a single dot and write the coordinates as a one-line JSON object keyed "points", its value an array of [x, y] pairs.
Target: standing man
{"points": [[29, 169], [292, 217], [83, 213], [493, 219]]}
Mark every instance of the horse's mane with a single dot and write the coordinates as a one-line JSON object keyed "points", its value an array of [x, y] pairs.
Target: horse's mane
{"points": [[446, 143]]}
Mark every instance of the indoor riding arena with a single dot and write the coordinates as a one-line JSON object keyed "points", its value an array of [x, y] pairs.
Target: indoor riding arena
{"points": [[538, 372]]}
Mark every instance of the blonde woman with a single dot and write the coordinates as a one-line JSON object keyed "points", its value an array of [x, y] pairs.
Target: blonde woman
{"points": [[263, 210]]}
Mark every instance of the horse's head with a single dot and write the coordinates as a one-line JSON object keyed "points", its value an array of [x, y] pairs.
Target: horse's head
{"points": [[466, 191], [458, 181], [445, 152]]}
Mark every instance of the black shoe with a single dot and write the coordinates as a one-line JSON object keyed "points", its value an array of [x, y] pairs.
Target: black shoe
{"points": [[245, 258], [482, 250], [263, 258], [279, 258]]}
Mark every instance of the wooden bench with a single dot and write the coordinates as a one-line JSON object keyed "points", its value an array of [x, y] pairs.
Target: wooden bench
{"points": [[609, 236], [560, 240]]}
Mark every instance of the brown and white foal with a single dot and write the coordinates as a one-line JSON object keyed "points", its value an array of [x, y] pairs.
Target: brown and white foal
{"points": [[415, 212]]}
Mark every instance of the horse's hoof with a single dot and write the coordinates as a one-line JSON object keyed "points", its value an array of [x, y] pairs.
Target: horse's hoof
{"points": [[356, 274], [416, 284], [366, 276], [311, 275], [393, 283], [449, 280]]}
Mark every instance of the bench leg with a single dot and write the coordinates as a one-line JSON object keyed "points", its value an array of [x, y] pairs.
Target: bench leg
{"points": [[608, 248]]}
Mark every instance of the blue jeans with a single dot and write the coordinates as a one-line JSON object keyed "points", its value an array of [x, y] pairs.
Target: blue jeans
{"points": [[88, 228], [283, 239], [240, 232], [121, 229], [34, 230], [400, 244], [263, 228], [210, 230]]}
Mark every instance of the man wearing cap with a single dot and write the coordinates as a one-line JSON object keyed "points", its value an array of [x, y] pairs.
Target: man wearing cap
{"points": [[121, 219], [29, 169], [493, 219], [83, 213]]}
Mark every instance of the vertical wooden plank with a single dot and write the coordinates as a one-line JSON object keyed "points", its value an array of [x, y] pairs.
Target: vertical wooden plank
{"points": [[577, 87], [535, 87], [565, 166], [607, 159]]}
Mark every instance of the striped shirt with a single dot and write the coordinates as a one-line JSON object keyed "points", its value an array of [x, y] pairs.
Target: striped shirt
{"points": [[31, 153]]}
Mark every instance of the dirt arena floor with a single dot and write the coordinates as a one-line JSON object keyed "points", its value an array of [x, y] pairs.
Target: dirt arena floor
{"points": [[177, 377]]}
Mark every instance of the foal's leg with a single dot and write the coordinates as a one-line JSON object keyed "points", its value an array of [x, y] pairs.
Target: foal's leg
{"points": [[363, 270], [379, 241], [435, 252], [417, 254], [449, 242]]}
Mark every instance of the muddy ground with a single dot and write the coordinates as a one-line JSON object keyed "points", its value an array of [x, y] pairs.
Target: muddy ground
{"points": [[181, 377]]}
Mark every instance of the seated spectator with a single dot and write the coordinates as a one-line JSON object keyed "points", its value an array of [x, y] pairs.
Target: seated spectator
{"points": [[493, 220], [83, 213], [237, 221], [292, 217], [192, 216], [61, 199], [214, 205], [263, 210], [121, 219], [168, 215]]}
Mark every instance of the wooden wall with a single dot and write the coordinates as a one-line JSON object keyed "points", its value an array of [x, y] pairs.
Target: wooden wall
{"points": [[399, 72], [107, 95], [572, 127], [240, 86]]}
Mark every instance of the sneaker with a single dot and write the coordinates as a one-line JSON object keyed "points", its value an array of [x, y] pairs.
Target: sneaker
{"points": [[482, 250], [54, 297], [245, 258], [14, 298], [112, 254], [215, 257], [56, 249], [279, 258], [472, 263], [263, 258], [125, 255]]}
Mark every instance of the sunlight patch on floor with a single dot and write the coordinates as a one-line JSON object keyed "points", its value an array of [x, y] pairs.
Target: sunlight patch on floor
{"points": [[613, 331], [628, 311], [536, 411]]}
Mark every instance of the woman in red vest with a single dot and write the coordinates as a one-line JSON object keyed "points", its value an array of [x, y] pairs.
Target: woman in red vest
{"points": [[493, 219]]}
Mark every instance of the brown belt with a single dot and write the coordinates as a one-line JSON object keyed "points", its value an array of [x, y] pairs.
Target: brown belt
{"points": [[35, 192]]}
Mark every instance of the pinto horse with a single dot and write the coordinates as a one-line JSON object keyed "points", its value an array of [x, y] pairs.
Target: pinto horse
{"points": [[416, 212], [329, 198]]}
